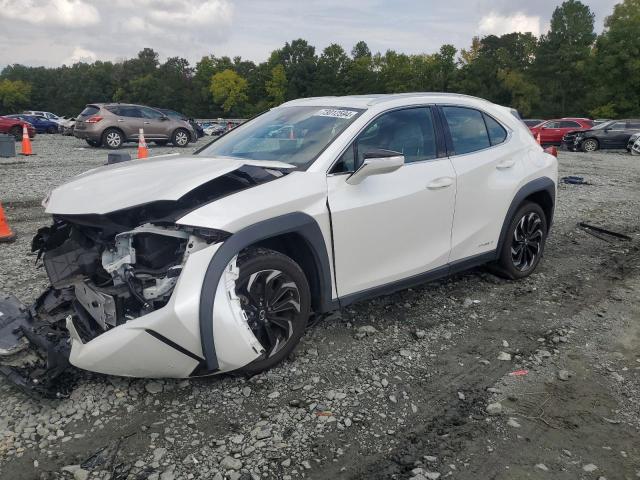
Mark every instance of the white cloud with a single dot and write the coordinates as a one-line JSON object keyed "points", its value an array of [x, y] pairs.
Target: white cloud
{"points": [[187, 13], [80, 54], [69, 13], [497, 24]]}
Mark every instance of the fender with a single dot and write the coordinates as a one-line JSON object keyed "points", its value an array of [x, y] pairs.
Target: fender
{"points": [[542, 184], [296, 222]]}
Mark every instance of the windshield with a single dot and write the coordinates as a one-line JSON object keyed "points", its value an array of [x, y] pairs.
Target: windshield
{"points": [[295, 135], [603, 125]]}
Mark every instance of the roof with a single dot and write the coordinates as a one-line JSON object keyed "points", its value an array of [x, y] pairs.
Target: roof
{"points": [[366, 101]]}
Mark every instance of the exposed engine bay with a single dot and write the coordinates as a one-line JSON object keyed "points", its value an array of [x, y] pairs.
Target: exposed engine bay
{"points": [[99, 280]]}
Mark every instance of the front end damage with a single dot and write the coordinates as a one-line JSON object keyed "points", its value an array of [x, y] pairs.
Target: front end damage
{"points": [[121, 303], [126, 284]]}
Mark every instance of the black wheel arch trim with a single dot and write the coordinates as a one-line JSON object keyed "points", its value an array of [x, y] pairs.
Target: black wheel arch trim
{"points": [[295, 222], [542, 184]]}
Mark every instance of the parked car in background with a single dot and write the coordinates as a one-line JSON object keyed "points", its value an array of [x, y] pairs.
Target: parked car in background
{"points": [[181, 116], [41, 124], [112, 124], [609, 135], [532, 122], [39, 113], [552, 131], [13, 126], [632, 140], [214, 129], [66, 125]]}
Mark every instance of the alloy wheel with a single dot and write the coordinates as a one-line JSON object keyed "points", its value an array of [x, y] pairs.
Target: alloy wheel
{"points": [[589, 146], [271, 301], [182, 138], [527, 241], [113, 139]]}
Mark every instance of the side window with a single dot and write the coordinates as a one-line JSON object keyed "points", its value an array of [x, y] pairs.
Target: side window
{"points": [[619, 126], [410, 132], [497, 133], [551, 125], [634, 125], [151, 113], [132, 112], [467, 128], [569, 124]]}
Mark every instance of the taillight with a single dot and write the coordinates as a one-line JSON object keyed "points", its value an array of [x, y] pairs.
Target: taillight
{"points": [[94, 119], [552, 151]]}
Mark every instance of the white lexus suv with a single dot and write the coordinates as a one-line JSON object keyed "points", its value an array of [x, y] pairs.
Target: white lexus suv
{"points": [[180, 266]]}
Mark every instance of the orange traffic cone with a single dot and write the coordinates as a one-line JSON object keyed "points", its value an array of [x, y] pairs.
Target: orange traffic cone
{"points": [[6, 234], [143, 151], [538, 139], [26, 142]]}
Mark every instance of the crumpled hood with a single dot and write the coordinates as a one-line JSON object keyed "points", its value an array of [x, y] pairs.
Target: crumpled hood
{"points": [[137, 182]]}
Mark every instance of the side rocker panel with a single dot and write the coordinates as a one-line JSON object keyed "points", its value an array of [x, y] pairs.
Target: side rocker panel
{"points": [[297, 222]]}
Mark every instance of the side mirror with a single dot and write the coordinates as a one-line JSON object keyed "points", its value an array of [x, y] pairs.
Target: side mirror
{"points": [[376, 162]]}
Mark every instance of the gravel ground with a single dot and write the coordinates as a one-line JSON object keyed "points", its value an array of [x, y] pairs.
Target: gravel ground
{"points": [[469, 378]]}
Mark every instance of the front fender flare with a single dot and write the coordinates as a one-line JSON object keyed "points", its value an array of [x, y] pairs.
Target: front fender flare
{"points": [[296, 222]]}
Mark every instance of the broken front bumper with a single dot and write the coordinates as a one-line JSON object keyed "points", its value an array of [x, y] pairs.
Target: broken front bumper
{"points": [[163, 343]]}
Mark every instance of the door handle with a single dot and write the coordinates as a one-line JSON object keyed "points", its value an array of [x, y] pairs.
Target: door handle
{"points": [[506, 164], [439, 183], [147, 123]]}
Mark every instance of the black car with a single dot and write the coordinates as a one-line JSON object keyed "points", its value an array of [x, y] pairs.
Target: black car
{"points": [[607, 135], [173, 114]]}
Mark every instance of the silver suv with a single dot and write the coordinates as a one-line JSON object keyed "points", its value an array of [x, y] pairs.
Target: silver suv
{"points": [[112, 124]]}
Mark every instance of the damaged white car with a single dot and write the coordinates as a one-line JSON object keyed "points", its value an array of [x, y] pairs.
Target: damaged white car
{"points": [[196, 265]]}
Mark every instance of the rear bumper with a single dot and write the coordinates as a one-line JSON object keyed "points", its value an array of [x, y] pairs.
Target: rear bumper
{"points": [[87, 134]]}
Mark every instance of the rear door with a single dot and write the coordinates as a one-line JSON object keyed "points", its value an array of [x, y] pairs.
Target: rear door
{"points": [[488, 173], [615, 136], [154, 125], [130, 120]]}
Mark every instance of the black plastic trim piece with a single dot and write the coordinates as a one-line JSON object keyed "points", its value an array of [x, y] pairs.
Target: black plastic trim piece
{"points": [[542, 184], [174, 345], [441, 137], [296, 222], [419, 279]]}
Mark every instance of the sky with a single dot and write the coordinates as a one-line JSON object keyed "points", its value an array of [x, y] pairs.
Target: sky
{"points": [[56, 32]]}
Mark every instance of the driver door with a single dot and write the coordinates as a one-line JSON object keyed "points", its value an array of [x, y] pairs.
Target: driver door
{"points": [[395, 225]]}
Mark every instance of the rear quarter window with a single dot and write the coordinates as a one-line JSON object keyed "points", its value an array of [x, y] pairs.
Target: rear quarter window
{"points": [[467, 128], [89, 110], [497, 133]]}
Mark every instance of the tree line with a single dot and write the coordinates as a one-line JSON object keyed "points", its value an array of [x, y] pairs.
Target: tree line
{"points": [[567, 71]]}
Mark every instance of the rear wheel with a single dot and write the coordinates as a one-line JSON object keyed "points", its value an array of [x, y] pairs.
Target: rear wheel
{"points": [[590, 145], [180, 138], [16, 132], [524, 244], [274, 294], [112, 138], [52, 130]]}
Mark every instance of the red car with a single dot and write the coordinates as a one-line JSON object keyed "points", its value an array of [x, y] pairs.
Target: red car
{"points": [[552, 131], [13, 126]]}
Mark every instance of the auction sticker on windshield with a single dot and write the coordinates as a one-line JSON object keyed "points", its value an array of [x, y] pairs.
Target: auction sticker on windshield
{"points": [[335, 113]]}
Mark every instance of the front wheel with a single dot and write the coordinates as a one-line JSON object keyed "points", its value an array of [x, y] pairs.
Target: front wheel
{"points": [[590, 145], [274, 294], [180, 138], [52, 130], [524, 244]]}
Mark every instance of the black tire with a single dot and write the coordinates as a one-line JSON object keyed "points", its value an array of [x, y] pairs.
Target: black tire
{"points": [[52, 130], [274, 275], [112, 138], [92, 143], [531, 218], [16, 132], [161, 143], [180, 138], [590, 145]]}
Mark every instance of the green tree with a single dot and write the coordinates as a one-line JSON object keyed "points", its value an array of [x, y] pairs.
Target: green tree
{"points": [[360, 77], [561, 59], [525, 95], [330, 78], [615, 70], [299, 61], [276, 86], [229, 89], [14, 95]]}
